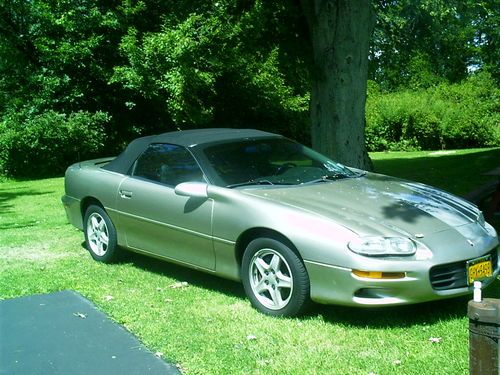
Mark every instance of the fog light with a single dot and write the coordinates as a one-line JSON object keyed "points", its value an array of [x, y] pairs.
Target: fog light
{"points": [[379, 275]]}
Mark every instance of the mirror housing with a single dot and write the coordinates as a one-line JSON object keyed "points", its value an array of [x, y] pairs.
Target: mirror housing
{"points": [[192, 189]]}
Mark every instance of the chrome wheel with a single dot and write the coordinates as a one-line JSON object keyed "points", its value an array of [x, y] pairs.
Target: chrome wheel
{"points": [[270, 279], [97, 234]]}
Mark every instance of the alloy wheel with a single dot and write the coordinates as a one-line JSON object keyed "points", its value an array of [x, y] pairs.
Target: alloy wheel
{"points": [[271, 279]]}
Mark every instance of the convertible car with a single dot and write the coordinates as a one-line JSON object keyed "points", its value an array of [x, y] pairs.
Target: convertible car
{"points": [[291, 224]]}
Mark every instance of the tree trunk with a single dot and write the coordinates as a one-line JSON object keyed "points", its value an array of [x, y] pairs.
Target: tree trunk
{"points": [[340, 33]]}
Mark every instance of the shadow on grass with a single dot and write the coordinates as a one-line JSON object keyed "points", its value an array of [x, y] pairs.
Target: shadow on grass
{"points": [[373, 317], [402, 316], [191, 276], [180, 273], [7, 195], [456, 173], [25, 224]]}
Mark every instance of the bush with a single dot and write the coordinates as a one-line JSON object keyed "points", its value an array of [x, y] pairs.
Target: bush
{"points": [[446, 116], [44, 145]]}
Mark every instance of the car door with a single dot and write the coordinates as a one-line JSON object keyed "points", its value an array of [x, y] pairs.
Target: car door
{"points": [[158, 221]]}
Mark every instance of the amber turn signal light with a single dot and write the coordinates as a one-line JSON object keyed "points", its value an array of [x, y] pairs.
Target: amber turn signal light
{"points": [[379, 275]]}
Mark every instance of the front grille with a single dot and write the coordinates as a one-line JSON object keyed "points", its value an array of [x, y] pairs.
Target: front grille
{"points": [[454, 275]]}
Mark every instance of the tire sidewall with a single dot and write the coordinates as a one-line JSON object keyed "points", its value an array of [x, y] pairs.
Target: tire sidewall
{"points": [[301, 289], [111, 253]]}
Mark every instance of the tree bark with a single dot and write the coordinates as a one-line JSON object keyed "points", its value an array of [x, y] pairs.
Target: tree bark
{"points": [[340, 33]]}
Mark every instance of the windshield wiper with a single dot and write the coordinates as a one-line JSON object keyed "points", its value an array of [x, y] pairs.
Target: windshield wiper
{"points": [[326, 178], [251, 182]]}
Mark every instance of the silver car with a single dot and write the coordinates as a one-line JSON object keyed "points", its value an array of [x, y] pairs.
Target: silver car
{"points": [[291, 224]]}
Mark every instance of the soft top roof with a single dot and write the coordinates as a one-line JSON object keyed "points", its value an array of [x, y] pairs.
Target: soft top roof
{"points": [[186, 138]]}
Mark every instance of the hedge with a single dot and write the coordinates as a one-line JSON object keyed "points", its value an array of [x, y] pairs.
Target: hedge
{"points": [[443, 117], [46, 144]]}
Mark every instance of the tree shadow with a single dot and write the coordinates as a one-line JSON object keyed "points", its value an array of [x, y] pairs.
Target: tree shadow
{"points": [[456, 173], [7, 195], [25, 224], [405, 213]]}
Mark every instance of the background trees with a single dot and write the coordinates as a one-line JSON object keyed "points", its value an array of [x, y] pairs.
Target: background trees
{"points": [[420, 43], [224, 63], [90, 75], [435, 75]]}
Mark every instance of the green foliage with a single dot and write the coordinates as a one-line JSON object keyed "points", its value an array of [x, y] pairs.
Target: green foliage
{"points": [[442, 117], [57, 53], [46, 144], [155, 66], [216, 65], [419, 42]]}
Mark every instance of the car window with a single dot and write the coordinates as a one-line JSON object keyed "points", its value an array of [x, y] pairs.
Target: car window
{"points": [[270, 161], [167, 164]]}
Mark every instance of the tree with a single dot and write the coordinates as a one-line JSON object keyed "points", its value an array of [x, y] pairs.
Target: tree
{"points": [[224, 64], [56, 55], [340, 35], [421, 43]]}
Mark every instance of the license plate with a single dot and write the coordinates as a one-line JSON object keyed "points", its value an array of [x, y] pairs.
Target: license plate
{"points": [[479, 269]]}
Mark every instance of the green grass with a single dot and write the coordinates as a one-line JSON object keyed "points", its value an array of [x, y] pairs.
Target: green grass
{"points": [[458, 171], [208, 326]]}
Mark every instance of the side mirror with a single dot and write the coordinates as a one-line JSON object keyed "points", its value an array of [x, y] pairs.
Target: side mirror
{"points": [[192, 189]]}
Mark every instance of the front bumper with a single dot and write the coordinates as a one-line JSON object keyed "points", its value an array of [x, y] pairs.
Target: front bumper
{"points": [[338, 285]]}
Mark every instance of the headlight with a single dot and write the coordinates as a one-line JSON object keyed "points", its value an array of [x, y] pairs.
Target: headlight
{"points": [[380, 246]]}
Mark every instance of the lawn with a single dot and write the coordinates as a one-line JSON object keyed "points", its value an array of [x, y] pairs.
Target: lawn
{"points": [[206, 325]]}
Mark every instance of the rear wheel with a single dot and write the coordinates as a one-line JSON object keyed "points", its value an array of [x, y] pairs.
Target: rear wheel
{"points": [[100, 235], [275, 278]]}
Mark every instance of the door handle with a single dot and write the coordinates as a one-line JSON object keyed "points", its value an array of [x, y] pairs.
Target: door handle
{"points": [[125, 194]]}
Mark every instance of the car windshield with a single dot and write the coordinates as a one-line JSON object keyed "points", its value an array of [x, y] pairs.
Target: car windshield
{"points": [[276, 161]]}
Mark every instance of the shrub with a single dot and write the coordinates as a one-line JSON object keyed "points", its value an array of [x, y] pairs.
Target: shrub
{"points": [[446, 116], [44, 145]]}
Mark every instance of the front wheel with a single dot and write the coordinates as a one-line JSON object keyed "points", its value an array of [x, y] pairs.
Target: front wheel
{"points": [[100, 235], [275, 278]]}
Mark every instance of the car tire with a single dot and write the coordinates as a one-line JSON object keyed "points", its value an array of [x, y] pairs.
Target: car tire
{"points": [[100, 235], [275, 278]]}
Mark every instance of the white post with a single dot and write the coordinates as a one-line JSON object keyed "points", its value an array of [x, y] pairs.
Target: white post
{"points": [[477, 291]]}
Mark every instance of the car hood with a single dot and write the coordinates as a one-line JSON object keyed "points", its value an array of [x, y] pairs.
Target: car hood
{"points": [[377, 204]]}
